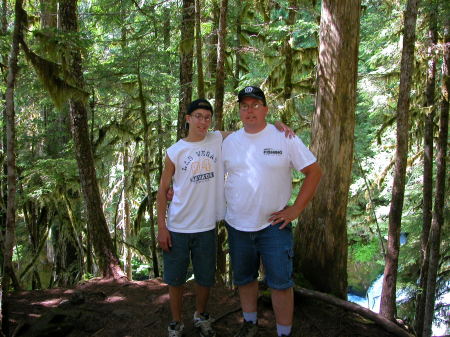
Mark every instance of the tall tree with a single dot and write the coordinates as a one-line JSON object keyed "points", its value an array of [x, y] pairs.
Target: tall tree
{"points": [[199, 56], [108, 261], [218, 122], [237, 62], [321, 236], [146, 126], [388, 298], [220, 70], [434, 240], [427, 188], [186, 63], [288, 56], [211, 46], [10, 232]]}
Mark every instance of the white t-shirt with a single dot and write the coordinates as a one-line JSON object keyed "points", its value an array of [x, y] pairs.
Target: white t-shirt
{"points": [[258, 175], [198, 200]]}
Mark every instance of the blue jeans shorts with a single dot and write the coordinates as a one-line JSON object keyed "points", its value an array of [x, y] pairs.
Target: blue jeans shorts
{"points": [[271, 245], [200, 248]]}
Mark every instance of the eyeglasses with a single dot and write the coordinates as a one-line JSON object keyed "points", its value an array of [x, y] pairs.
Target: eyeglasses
{"points": [[245, 107], [200, 117]]}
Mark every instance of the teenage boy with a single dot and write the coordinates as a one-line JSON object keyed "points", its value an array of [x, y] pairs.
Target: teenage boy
{"points": [[195, 166]]}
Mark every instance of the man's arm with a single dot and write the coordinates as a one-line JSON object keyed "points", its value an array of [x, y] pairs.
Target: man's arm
{"points": [[312, 173], [164, 239]]}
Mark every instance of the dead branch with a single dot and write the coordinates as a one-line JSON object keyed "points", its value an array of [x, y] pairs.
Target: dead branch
{"points": [[380, 320]]}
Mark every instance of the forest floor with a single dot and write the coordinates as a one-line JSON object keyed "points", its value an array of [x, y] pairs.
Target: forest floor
{"points": [[103, 308]]}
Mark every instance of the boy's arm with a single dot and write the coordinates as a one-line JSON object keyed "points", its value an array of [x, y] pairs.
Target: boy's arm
{"points": [[288, 132], [164, 239]]}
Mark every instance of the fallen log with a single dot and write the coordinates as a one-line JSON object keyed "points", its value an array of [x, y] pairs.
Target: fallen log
{"points": [[380, 320]]}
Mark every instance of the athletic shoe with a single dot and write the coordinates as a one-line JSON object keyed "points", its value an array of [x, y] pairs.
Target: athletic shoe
{"points": [[248, 329], [202, 322], [175, 329]]}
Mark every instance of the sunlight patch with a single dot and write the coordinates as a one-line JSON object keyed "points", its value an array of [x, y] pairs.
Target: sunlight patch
{"points": [[114, 298], [50, 303], [162, 299]]}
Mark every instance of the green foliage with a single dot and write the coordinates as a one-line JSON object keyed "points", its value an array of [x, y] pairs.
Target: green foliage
{"points": [[48, 176]]}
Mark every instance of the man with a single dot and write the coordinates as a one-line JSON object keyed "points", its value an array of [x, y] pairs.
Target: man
{"points": [[258, 162]]}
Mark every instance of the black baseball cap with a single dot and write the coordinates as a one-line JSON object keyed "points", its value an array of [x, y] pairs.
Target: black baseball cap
{"points": [[252, 91], [200, 103]]}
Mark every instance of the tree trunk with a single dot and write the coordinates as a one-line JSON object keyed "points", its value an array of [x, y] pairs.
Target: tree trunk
{"points": [[212, 45], [9, 236], [388, 298], [3, 179], [288, 54], [434, 240], [126, 212], [237, 65], [147, 175], [186, 62], [220, 71], [108, 261], [218, 125], [321, 235], [168, 69], [48, 11], [198, 44], [10, 232], [427, 168]]}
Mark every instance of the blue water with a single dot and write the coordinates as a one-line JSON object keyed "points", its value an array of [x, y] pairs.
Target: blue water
{"points": [[373, 299]]}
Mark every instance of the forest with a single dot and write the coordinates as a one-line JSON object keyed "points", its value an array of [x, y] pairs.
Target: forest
{"points": [[95, 91]]}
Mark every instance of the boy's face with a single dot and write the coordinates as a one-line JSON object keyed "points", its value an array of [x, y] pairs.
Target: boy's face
{"points": [[199, 122]]}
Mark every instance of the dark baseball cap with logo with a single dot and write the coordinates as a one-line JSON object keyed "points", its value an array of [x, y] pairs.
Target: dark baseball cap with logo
{"points": [[200, 103], [252, 91]]}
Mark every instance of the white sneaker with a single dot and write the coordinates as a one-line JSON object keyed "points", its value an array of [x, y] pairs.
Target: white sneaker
{"points": [[175, 329], [202, 322]]}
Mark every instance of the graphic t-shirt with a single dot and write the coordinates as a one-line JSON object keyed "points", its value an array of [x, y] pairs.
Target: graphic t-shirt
{"points": [[198, 200], [258, 170]]}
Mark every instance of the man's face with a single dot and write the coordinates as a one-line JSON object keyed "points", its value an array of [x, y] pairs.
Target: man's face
{"points": [[253, 114]]}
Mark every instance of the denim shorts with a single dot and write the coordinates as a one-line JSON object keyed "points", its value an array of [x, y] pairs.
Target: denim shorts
{"points": [[198, 247], [271, 245]]}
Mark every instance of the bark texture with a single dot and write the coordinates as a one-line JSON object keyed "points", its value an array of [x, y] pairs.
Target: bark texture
{"points": [[148, 181], [199, 56], [427, 207], [434, 240], [220, 71], [321, 236], [186, 63], [388, 298], [10, 231]]}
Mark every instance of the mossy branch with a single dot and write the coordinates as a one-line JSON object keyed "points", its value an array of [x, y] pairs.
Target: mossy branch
{"points": [[49, 74]]}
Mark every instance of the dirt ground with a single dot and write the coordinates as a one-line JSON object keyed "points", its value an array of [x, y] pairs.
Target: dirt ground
{"points": [[105, 308]]}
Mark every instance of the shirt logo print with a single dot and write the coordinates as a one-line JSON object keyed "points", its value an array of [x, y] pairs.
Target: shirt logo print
{"points": [[272, 152], [200, 166]]}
